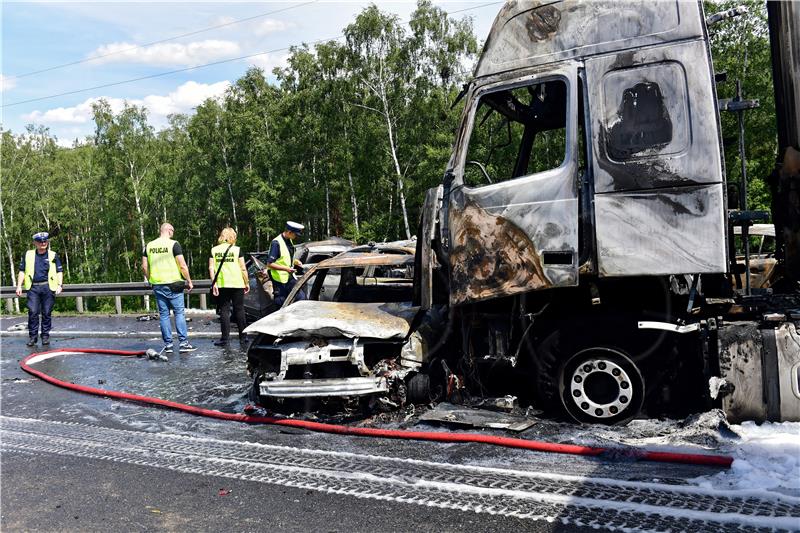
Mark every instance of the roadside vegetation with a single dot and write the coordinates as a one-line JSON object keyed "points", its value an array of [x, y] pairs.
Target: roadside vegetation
{"points": [[346, 140]]}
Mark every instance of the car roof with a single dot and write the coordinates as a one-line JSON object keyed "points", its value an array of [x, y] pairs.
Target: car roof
{"points": [[333, 245], [350, 259], [383, 248]]}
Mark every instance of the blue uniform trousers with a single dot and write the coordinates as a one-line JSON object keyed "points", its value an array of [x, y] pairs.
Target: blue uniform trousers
{"points": [[40, 301], [281, 290]]}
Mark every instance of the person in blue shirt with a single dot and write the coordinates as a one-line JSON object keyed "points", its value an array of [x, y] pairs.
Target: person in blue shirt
{"points": [[42, 277]]}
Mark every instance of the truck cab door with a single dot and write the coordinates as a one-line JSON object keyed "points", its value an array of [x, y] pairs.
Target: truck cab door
{"points": [[659, 200], [512, 207]]}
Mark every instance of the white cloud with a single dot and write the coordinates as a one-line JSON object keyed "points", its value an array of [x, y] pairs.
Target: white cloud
{"points": [[166, 54], [66, 137], [182, 100], [223, 20], [7, 83], [267, 62], [78, 114], [272, 26]]}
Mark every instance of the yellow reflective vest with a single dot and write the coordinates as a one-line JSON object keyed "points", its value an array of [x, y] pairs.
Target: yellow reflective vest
{"points": [[162, 265], [230, 273], [285, 259], [30, 259]]}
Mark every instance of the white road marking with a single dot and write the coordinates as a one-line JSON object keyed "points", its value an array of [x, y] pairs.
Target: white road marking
{"points": [[535, 495]]}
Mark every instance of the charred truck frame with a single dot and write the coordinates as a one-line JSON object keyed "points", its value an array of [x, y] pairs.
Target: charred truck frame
{"points": [[583, 235]]}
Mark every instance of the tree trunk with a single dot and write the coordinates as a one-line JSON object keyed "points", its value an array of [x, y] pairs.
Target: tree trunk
{"points": [[229, 180], [389, 219], [354, 203], [138, 202], [327, 210], [393, 149], [84, 268], [12, 270]]}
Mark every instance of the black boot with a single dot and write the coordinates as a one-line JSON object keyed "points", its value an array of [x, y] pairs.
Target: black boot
{"points": [[31, 341], [45, 340]]}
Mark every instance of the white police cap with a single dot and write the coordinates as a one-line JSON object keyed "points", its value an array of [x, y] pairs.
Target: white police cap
{"points": [[42, 236], [294, 227]]}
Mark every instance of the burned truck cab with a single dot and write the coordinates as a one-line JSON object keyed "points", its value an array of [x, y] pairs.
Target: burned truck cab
{"points": [[583, 212], [589, 145]]}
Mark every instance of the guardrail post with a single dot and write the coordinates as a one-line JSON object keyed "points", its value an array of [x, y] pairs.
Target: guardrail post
{"points": [[10, 304], [203, 304], [147, 302], [79, 303], [118, 304]]}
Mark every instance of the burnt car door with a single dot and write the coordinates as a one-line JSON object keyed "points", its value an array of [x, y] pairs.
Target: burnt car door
{"points": [[659, 197], [512, 206]]}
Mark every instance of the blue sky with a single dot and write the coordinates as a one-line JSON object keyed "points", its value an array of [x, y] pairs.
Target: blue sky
{"points": [[42, 35]]}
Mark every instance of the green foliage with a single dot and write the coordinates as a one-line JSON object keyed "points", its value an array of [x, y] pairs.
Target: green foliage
{"points": [[740, 47], [347, 128], [346, 142]]}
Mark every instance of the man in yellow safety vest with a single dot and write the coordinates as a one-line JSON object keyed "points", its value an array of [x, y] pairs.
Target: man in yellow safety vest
{"points": [[282, 265], [163, 264], [41, 275]]}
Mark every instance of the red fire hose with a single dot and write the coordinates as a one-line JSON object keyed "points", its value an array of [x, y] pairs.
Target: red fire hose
{"points": [[510, 442]]}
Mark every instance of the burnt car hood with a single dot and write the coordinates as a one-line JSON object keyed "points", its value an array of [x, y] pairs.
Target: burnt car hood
{"points": [[307, 318]]}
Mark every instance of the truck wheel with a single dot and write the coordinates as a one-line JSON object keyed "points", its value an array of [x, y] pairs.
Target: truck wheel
{"points": [[601, 385]]}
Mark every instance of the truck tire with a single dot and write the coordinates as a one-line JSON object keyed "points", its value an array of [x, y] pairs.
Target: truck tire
{"points": [[601, 385]]}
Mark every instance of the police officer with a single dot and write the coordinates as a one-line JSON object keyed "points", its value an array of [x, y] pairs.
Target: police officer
{"points": [[163, 264], [232, 283], [281, 263], [42, 276]]}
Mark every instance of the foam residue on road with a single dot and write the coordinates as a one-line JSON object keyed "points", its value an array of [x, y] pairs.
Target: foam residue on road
{"points": [[766, 457]]}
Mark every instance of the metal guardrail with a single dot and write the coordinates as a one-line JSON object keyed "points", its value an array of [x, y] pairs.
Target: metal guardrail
{"points": [[79, 291]]}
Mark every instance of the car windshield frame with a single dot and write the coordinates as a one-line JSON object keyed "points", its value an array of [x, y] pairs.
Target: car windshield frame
{"points": [[349, 260]]}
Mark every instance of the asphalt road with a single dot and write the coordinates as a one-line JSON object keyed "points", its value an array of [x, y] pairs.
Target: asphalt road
{"points": [[73, 462]]}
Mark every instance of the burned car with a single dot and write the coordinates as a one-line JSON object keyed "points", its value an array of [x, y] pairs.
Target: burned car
{"points": [[258, 302], [357, 336]]}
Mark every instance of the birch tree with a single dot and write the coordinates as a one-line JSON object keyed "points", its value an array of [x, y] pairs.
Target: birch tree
{"points": [[126, 144]]}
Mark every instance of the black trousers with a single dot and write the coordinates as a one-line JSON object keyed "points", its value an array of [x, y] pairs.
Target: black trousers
{"points": [[226, 298]]}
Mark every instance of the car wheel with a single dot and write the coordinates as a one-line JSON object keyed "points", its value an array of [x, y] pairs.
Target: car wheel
{"points": [[418, 389], [601, 385]]}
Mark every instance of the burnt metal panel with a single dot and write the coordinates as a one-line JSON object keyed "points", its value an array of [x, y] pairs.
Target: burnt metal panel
{"points": [[653, 126], [534, 32], [427, 259], [740, 346], [307, 318], [760, 367], [787, 342], [499, 233], [664, 231], [659, 198]]}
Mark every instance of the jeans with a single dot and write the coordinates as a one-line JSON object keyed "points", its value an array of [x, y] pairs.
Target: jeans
{"points": [[281, 290], [226, 297], [166, 300], [40, 301]]}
